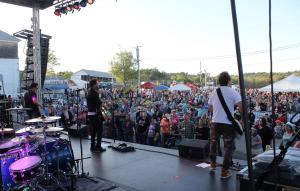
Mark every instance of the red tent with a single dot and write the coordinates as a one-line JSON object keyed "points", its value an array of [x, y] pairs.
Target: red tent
{"points": [[191, 85], [148, 85]]}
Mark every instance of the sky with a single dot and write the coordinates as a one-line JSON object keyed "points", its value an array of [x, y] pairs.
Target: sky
{"points": [[174, 35]]}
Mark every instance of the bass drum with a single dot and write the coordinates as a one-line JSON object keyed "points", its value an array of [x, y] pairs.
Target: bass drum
{"points": [[6, 160], [60, 154]]}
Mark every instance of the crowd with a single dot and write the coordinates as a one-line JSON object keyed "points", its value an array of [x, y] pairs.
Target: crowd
{"points": [[163, 118]]}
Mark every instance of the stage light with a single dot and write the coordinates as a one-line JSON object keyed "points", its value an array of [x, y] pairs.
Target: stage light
{"points": [[57, 12], [90, 1], [69, 8], [63, 10], [76, 5], [83, 3]]}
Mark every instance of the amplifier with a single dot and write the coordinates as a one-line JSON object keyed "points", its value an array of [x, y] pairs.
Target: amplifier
{"points": [[193, 148]]}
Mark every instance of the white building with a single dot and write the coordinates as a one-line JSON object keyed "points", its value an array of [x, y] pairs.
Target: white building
{"points": [[9, 65], [82, 77]]}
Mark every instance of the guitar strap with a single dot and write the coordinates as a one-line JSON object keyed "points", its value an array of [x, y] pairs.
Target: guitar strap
{"points": [[221, 98]]}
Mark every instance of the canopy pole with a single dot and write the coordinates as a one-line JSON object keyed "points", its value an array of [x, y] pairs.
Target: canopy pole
{"points": [[243, 95]]}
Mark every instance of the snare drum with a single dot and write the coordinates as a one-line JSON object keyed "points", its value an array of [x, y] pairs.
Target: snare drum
{"points": [[25, 169]]}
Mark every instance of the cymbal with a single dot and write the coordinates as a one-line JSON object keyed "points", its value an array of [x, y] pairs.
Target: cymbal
{"points": [[27, 139], [24, 130], [53, 118], [43, 120], [48, 130], [6, 130], [18, 109]]}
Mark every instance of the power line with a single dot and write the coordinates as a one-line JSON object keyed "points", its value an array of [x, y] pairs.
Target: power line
{"points": [[229, 56]]}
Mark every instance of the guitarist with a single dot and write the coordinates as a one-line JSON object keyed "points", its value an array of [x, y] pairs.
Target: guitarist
{"points": [[95, 116], [221, 125]]}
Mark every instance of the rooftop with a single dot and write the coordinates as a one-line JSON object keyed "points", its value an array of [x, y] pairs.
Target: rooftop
{"points": [[97, 73], [7, 37]]}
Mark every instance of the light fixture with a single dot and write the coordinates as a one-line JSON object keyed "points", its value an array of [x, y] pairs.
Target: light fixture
{"points": [[90, 1], [76, 5], [69, 8], [83, 3], [57, 12], [63, 10]]}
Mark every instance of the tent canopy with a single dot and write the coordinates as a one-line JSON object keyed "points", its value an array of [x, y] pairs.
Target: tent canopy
{"points": [[191, 85], [180, 87], [288, 84], [161, 88], [148, 85]]}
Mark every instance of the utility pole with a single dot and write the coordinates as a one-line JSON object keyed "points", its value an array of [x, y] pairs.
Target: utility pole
{"points": [[138, 63], [204, 78], [200, 82]]}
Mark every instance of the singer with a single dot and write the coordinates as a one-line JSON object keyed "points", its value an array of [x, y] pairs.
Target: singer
{"points": [[95, 116]]}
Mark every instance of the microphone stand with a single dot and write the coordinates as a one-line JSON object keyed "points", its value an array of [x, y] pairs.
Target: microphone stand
{"points": [[82, 174]]}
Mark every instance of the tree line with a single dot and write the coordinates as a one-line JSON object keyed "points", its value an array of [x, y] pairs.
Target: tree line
{"points": [[124, 68]]}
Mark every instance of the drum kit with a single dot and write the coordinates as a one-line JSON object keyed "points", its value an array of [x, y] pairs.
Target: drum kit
{"points": [[35, 156]]}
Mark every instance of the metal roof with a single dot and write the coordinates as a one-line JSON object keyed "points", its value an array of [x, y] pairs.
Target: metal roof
{"points": [[7, 37], [97, 74], [29, 3]]}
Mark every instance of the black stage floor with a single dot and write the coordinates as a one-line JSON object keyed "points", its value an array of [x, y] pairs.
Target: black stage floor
{"points": [[151, 168]]}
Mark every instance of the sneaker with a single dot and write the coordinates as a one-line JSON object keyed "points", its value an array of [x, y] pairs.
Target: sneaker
{"points": [[225, 174], [213, 165]]}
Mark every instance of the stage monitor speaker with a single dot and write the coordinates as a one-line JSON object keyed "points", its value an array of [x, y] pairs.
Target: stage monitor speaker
{"points": [[193, 148]]}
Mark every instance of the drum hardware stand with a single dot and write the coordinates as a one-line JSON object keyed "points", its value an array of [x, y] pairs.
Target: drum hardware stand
{"points": [[1, 183], [83, 174], [48, 176]]}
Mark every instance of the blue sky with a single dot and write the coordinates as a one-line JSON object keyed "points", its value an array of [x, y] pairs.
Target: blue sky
{"points": [[174, 34]]}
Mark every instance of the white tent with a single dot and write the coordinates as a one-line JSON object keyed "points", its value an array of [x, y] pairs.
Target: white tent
{"points": [[180, 87], [288, 84]]}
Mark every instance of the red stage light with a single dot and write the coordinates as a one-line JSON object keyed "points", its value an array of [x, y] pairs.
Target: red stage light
{"points": [[76, 5], [57, 12], [69, 8]]}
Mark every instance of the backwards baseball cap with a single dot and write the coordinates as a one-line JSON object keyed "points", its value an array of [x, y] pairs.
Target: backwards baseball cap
{"points": [[291, 125]]}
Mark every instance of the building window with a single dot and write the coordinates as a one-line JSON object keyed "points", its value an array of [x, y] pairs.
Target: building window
{"points": [[85, 77]]}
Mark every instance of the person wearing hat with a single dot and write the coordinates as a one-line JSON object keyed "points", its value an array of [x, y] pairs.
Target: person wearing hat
{"points": [[288, 135], [278, 129], [174, 121], [188, 126]]}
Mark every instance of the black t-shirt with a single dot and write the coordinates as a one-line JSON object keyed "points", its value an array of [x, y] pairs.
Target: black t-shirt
{"points": [[93, 101], [142, 124], [29, 99]]}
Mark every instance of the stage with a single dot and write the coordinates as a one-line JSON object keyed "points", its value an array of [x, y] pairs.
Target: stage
{"points": [[151, 168]]}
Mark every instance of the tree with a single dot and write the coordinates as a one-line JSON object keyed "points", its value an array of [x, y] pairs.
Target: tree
{"points": [[123, 67], [52, 62], [65, 74]]}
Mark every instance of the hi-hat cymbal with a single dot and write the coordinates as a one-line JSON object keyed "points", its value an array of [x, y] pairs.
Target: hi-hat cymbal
{"points": [[18, 109], [47, 130]]}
